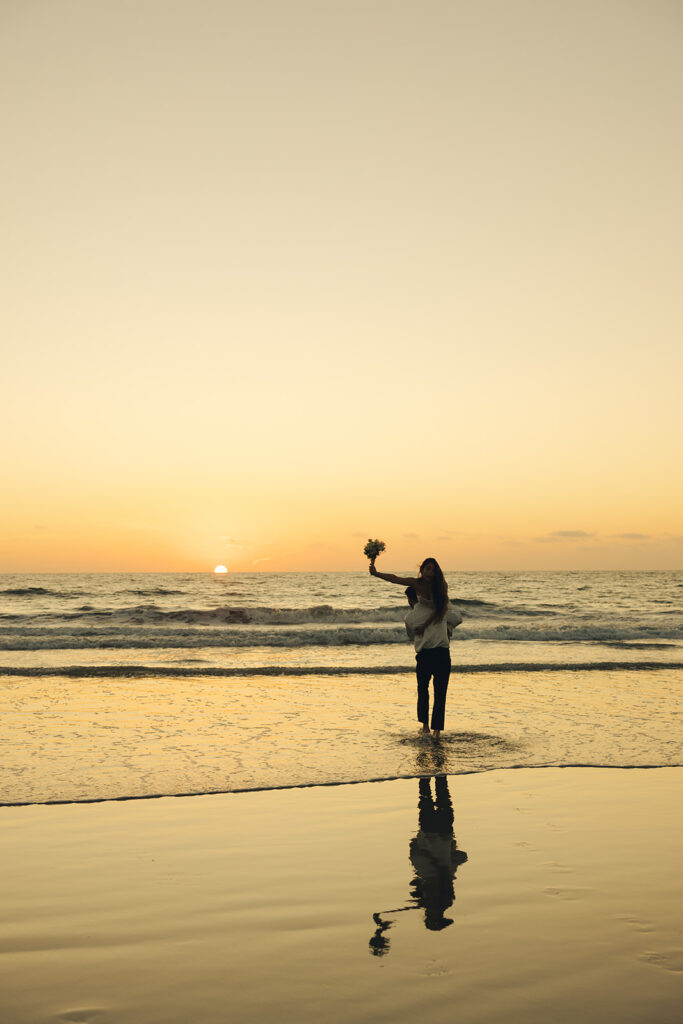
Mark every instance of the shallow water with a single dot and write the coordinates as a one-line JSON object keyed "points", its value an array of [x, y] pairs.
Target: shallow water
{"points": [[82, 739], [87, 721]]}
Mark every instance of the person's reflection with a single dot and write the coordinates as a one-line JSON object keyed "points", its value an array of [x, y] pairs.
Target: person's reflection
{"points": [[434, 854], [435, 857]]}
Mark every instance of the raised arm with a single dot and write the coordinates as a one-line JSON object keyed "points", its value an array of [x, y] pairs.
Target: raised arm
{"points": [[406, 581]]}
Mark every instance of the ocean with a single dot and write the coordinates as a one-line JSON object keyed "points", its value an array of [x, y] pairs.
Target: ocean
{"points": [[118, 686]]}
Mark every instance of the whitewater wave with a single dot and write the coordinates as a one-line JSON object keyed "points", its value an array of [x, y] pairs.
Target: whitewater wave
{"points": [[241, 614], [225, 615], [240, 634], [480, 619]]}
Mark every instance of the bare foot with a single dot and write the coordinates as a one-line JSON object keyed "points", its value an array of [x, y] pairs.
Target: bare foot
{"points": [[437, 734], [425, 728]]}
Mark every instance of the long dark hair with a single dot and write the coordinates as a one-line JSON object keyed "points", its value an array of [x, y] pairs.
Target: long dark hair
{"points": [[439, 589]]}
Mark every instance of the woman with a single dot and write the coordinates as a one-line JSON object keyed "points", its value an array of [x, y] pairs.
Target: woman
{"points": [[430, 625]]}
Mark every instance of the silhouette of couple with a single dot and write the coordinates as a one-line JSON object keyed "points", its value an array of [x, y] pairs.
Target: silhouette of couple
{"points": [[429, 624]]}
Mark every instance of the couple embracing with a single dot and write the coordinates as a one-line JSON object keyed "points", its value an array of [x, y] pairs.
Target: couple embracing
{"points": [[429, 624]]}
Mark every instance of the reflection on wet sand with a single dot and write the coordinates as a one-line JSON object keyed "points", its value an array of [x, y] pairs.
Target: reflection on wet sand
{"points": [[435, 857]]}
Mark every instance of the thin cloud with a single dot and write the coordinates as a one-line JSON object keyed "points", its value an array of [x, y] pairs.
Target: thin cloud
{"points": [[560, 535], [573, 534], [631, 536]]}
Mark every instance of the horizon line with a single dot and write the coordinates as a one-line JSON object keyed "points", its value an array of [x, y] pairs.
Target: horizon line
{"points": [[280, 572]]}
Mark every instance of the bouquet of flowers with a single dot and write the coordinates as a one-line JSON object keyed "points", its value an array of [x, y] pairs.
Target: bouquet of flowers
{"points": [[373, 548]]}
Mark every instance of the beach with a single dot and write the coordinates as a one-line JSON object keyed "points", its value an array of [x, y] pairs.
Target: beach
{"points": [[217, 805], [315, 902]]}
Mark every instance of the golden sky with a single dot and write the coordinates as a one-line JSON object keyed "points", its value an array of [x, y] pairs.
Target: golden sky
{"points": [[281, 275]]}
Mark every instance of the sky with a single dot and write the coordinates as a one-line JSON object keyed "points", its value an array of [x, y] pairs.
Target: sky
{"points": [[281, 275]]}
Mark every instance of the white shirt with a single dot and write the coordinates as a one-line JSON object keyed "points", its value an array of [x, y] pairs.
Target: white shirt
{"points": [[436, 633]]}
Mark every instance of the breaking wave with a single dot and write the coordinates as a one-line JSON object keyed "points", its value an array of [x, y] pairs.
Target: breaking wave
{"points": [[323, 634], [170, 671]]}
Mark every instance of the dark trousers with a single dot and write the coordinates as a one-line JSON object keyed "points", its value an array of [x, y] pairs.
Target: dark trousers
{"points": [[432, 662]]}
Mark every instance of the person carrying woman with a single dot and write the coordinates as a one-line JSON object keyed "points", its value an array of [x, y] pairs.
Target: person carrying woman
{"points": [[430, 625]]}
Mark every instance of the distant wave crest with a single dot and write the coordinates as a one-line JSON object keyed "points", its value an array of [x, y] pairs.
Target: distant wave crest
{"points": [[152, 592], [28, 592], [171, 671]]}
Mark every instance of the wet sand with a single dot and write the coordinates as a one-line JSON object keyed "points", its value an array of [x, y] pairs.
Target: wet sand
{"points": [[530, 895]]}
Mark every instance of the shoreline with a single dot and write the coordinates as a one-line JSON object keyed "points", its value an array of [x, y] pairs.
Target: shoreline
{"points": [[342, 782], [548, 894]]}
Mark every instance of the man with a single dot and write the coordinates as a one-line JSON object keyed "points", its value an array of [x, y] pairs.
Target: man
{"points": [[433, 658]]}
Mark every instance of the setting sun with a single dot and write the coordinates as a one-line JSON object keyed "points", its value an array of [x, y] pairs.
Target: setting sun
{"points": [[220, 568]]}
